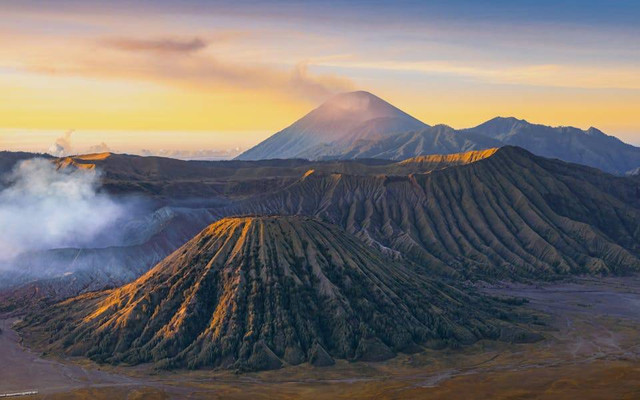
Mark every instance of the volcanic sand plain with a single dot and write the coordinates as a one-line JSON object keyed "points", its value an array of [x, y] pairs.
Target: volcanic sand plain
{"points": [[591, 351]]}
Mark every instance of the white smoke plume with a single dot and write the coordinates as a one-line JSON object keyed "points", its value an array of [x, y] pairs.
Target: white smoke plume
{"points": [[42, 207], [62, 145]]}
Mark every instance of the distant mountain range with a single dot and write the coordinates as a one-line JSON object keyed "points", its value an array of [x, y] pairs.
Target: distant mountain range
{"points": [[361, 125]]}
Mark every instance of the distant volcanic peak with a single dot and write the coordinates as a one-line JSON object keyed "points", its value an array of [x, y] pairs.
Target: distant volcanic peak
{"points": [[453, 159], [260, 292], [363, 104], [357, 107], [353, 101], [333, 127]]}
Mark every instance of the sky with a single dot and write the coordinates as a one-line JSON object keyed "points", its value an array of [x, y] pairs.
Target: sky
{"points": [[198, 78]]}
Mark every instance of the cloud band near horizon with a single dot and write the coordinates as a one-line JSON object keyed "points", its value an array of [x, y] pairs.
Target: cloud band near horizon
{"points": [[223, 66]]}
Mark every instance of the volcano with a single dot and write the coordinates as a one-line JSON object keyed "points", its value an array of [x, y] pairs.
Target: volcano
{"points": [[334, 127], [255, 293], [360, 125]]}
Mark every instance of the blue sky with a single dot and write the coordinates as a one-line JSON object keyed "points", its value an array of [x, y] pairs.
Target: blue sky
{"points": [[252, 67]]}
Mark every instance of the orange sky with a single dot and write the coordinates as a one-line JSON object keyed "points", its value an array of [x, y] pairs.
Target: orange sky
{"points": [[222, 78]]}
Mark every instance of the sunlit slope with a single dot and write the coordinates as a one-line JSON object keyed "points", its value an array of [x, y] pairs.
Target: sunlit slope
{"points": [[333, 128], [158, 176], [432, 162], [509, 215], [260, 292]]}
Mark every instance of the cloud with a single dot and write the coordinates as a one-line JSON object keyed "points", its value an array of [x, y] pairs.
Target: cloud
{"points": [[549, 75], [316, 87], [62, 145], [193, 154], [42, 207], [163, 61], [156, 45], [99, 148]]}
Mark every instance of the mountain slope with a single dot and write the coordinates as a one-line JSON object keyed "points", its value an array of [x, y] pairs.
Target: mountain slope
{"points": [[510, 215], [36, 278], [439, 139], [9, 159], [339, 122], [257, 292], [360, 125], [590, 147], [148, 237]]}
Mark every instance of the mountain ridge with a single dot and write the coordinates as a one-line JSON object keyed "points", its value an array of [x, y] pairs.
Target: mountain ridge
{"points": [[373, 138], [412, 197], [589, 147], [512, 215]]}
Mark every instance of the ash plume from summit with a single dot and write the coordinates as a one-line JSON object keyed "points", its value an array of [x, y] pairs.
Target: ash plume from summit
{"points": [[42, 207]]}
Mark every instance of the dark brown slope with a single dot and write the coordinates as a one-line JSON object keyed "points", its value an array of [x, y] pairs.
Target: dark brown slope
{"points": [[257, 292], [226, 180], [510, 215], [52, 275], [170, 178], [8, 159]]}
